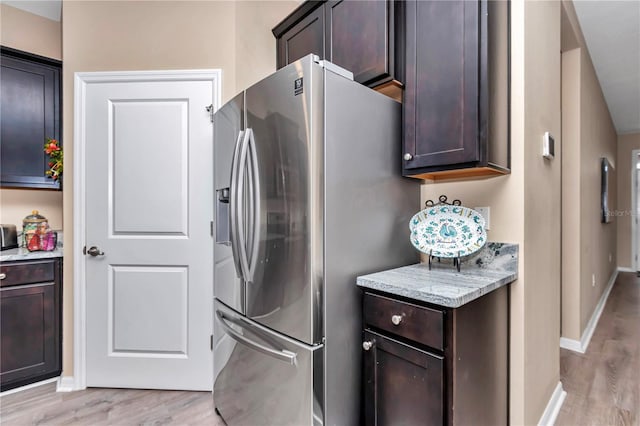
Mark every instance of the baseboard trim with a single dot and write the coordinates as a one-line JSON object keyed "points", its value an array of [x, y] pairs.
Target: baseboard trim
{"points": [[66, 384], [582, 345], [625, 269], [552, 410], [29, 386], [572, 345]]}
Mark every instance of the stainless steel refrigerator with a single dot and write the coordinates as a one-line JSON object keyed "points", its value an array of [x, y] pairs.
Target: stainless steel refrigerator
{"points": [[309, 195]]}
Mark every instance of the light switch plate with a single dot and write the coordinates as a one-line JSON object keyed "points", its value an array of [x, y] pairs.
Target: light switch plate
{"points": [[485, 212]]}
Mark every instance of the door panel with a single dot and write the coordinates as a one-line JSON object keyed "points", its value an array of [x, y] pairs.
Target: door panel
{"points": [[156, 201], [253, 387], [30, 345], [396, 379], [306, 37], [286, 124], [228, 121], [164, 329], [149, 203], [357, 33], [441, 86]]}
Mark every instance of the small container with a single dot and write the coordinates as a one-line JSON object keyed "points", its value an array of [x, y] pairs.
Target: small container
{"points": [[37, 236]]}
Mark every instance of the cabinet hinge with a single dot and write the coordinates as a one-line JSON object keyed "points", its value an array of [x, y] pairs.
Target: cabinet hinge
{"points": [[210, 111], [211, 342], [211, 228]]}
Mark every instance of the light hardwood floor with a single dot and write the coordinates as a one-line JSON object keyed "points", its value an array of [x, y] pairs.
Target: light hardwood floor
{"points": [[603, 384], [95, 406]]}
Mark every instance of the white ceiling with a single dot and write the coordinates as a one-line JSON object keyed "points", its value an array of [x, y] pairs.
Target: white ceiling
{"points": [[51, 9], [611, 29], [612, 32]]}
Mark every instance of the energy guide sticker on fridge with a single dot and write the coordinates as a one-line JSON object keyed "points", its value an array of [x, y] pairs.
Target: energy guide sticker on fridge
{"points": [[297, 86]]}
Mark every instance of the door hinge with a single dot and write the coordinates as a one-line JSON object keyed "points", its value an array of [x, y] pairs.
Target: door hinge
{"points": [[211, 342], [212, 228], [210, 111]]}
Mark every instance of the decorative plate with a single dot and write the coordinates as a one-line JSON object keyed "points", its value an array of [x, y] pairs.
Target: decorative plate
{"points": [[448, 231]]}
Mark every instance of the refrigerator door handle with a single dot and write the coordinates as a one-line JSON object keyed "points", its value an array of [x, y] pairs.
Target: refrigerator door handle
{"points": [[240, 213], [280, 354], [233, 205], [254, 203]]}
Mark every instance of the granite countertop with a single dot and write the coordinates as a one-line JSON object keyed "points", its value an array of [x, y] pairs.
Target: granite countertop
{"points": [[22, 253], [494, 266]]}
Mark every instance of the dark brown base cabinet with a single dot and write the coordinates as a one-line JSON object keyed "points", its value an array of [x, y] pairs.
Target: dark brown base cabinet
{"points": [[30, 327], [429, 365]]}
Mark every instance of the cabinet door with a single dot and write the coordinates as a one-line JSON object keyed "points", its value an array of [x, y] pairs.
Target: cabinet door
{"points": [[30, 334], [30, 113], [441, 125], [403, 385], [360, 38], [307, 36]]}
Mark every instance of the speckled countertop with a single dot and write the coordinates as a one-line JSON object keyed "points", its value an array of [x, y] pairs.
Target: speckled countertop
{"points": [[22, 253], [494, 266]]}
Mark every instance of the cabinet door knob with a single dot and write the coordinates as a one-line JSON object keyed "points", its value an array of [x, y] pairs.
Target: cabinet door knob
{"points": [[396, 319], [408, 157], [367, 344], [3, 276]]}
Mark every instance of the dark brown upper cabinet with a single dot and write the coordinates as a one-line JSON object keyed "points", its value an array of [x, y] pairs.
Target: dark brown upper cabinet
{"points": [[456, 100], [305, 35], [361, 36], [31, 109]]}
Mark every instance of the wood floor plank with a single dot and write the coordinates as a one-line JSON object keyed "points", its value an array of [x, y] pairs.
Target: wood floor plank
{"points": [[95, 406], [603, 384]]}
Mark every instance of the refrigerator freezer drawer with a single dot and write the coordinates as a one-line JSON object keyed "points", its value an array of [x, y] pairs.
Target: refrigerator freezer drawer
{"points": [[262, 377]]}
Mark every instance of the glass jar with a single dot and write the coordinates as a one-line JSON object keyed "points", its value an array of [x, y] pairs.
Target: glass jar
{"points": [[36, 233]]}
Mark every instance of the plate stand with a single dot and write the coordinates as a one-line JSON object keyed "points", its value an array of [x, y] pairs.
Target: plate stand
{"points": [[457, 261]]}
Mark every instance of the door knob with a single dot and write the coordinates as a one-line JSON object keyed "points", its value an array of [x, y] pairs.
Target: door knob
{"points": [[408, 157], [94, 251], [366, 345]]}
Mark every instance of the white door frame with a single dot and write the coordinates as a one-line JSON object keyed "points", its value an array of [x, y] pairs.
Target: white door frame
{"points": [[81, 81], [635, 263]]}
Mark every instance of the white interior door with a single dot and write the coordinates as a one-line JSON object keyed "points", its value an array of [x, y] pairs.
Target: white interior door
{"points": [[149, 198]]}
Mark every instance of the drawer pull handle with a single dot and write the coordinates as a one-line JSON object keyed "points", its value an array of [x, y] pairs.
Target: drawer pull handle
{"points": [[3, 276], [396, 319], [367, 344]]}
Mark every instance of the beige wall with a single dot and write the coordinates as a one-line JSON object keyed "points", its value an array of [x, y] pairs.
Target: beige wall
{"points": [[31, 33], [542, 215], [103, 36], [626, 144], [571, 194], [522, 207], [255, 44], [598, 241], [588, 135]]}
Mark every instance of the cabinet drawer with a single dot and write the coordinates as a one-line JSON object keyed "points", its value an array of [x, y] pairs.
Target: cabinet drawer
{"points": [[27, 272], [413, 322]]}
